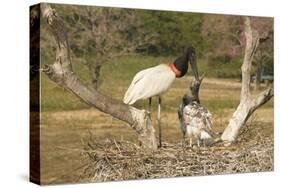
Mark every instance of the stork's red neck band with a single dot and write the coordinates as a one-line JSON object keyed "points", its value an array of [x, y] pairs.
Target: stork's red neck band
{"points": [[174, 69]]}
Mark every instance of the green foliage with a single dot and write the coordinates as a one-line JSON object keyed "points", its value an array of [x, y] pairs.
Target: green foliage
{"points": [[175, 30]]}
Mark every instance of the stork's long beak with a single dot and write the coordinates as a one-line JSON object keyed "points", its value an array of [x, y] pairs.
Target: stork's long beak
{"points": [[193, 64]]}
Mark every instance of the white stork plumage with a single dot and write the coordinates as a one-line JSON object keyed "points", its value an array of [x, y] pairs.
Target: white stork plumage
{"points": [[195, 121], [156, 80], [149, 82]]}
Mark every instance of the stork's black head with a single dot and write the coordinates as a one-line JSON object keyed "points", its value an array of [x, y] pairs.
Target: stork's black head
{"points": [[181, 63]]}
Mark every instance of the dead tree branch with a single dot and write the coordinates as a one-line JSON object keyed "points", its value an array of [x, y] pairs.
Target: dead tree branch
{"points": [[61, 72], [248, 103]]}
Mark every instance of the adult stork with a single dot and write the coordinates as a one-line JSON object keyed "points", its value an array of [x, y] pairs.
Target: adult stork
{"points": [[156, 80], [195, 121]]}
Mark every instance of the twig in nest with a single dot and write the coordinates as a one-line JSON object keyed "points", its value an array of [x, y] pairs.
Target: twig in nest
{"points": [[128, 162]]}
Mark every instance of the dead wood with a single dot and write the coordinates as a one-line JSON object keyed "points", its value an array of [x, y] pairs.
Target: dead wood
{"points": [[248, 102], [61, 72]]}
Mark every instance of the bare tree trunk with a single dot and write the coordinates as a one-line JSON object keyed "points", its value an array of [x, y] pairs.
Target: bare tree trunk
{"points": [[61, 73], [248, 103], [258, 76], [95, 71], [96, 76]]}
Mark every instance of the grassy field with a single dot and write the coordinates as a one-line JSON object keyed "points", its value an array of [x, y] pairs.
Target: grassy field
{"points": [[117, 75], [66, 122]]}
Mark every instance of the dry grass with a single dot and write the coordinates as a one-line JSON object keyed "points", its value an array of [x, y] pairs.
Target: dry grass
{"points": [[123, 160]]}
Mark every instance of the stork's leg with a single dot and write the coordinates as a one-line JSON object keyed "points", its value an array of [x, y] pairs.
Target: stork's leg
{"points": [[190, 142], [159, 121], [183, 141], [198, 143], [149, 104], [204, 143]]}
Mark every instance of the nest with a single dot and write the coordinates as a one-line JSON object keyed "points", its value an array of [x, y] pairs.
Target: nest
{"points": [[123, 160]]}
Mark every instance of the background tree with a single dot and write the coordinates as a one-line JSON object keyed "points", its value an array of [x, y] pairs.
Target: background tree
{"points": [[263, 60], [104, 33], [224, 36], [175, 30]]}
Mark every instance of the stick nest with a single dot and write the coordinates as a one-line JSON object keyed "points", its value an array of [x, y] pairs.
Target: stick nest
{"points": [[123, 160]]}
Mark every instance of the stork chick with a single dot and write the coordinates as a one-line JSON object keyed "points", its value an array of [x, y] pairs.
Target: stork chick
{"points": [[195, 121]]}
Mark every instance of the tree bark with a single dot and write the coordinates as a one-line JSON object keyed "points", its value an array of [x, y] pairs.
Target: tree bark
{"points": [[61, 73], [258, 76], [248, 103], [95, 72]]}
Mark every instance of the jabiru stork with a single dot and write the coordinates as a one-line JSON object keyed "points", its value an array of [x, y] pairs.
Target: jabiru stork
{"points": [[156, 80]]}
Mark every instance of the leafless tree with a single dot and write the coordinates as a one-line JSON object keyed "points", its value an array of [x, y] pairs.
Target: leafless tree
{"points": [[248, 102]]}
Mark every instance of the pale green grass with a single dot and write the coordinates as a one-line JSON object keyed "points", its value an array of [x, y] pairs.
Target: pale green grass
{"points": [[117, 75]]}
